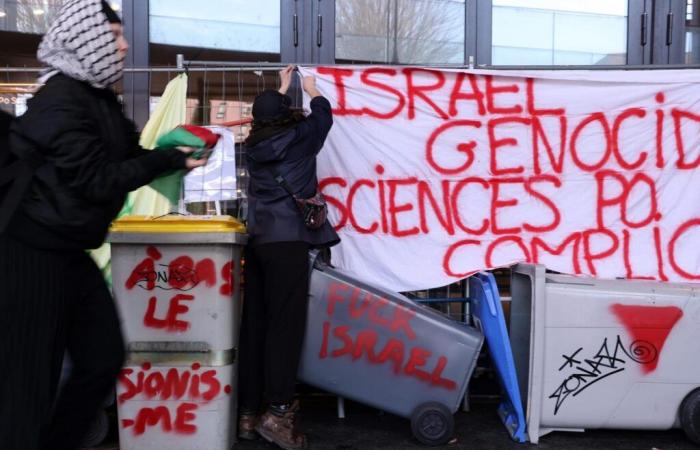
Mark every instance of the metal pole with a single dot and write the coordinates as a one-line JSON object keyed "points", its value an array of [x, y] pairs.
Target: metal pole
{"points": [[395, 55], [277, 66], [161, 69], [136, 84], [190, 63], [388, 30]]}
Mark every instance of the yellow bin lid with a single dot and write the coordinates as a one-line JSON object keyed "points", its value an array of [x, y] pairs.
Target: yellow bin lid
{"points": [[177, 224]]}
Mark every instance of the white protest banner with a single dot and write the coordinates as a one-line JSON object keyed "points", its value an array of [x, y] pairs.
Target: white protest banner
{"points": [[432, 175]]}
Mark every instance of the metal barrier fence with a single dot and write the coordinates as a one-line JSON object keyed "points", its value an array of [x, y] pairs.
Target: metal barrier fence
{"points": [[221, 93]]}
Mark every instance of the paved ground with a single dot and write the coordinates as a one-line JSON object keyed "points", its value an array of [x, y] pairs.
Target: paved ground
{"points": [[368, 429]]}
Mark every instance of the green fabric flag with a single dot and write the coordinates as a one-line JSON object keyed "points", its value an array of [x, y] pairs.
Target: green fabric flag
{"points": [[190, 136], [170, 184]]}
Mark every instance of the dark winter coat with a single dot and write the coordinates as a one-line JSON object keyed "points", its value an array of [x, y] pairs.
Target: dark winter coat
{"points": [[93, 160], [272, 213]]}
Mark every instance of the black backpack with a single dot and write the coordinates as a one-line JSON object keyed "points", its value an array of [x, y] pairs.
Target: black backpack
{"points": [[15, 172]]}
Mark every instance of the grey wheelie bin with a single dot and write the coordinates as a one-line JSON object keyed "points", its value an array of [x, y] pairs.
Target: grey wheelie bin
{"points": [[380, 348]]}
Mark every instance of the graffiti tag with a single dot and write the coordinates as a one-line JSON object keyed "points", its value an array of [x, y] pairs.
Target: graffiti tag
{"points": [[610, 359]]}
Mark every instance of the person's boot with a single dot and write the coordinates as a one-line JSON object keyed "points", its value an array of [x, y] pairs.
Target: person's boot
{"points": [[247, 420], [278, 425]]}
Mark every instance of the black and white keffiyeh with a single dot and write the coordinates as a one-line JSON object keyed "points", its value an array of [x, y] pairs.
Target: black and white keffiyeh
{"points": [[81, 45]]}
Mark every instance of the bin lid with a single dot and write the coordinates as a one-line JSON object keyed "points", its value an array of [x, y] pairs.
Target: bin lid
{"points": [[177, 224]]}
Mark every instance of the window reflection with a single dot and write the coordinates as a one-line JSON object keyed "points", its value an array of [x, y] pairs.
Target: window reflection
{"points": [[240, 25], [549, 32], [400, 31], [34, 16], [692, 32]]}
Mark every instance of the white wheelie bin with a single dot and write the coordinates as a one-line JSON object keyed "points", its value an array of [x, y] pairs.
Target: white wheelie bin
{"points": [[176, 282], [595, 353]]}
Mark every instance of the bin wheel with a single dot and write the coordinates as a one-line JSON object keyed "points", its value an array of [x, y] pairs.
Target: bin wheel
{"points": [[432, 424], [98, 430], [690, 416]]}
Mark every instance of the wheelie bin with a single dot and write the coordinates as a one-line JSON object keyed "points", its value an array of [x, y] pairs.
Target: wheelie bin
{"points": [[380, 348], [177, 288], [594, 353]]}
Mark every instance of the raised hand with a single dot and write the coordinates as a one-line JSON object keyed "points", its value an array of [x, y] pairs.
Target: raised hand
{"points": [[285, 78]]}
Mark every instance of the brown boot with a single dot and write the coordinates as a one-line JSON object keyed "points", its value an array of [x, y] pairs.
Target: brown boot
{"points": [[246, 425], [281, 429]]}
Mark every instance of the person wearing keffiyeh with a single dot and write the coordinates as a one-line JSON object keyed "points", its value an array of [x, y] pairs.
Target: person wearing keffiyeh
{"points": [[84, 158]]}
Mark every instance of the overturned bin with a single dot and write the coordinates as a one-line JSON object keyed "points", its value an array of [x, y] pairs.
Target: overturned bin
{"points": [[380, 348], [176, 285], [595, 353]]}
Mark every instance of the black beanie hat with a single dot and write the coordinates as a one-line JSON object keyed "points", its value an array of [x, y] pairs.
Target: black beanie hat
{"points": [[271, 105], [112, 17]]}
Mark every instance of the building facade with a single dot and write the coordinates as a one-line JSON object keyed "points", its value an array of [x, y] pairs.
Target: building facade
{"points": [[537, 33]]}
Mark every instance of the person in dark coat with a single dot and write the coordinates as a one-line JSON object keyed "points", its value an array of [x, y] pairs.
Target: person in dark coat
{"points": [[284, 143], [53, 297]]}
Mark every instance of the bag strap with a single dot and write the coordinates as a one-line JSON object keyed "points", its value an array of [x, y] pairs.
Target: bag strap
{"points": [[280, 180]]}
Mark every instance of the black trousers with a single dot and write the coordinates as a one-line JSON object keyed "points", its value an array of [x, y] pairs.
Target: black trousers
{"points": [[51, 302], [274, 321]]}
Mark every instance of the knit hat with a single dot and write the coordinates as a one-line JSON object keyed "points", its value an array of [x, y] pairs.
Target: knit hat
{"points": [[112, 17], [271, 105], [81, 45]]}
